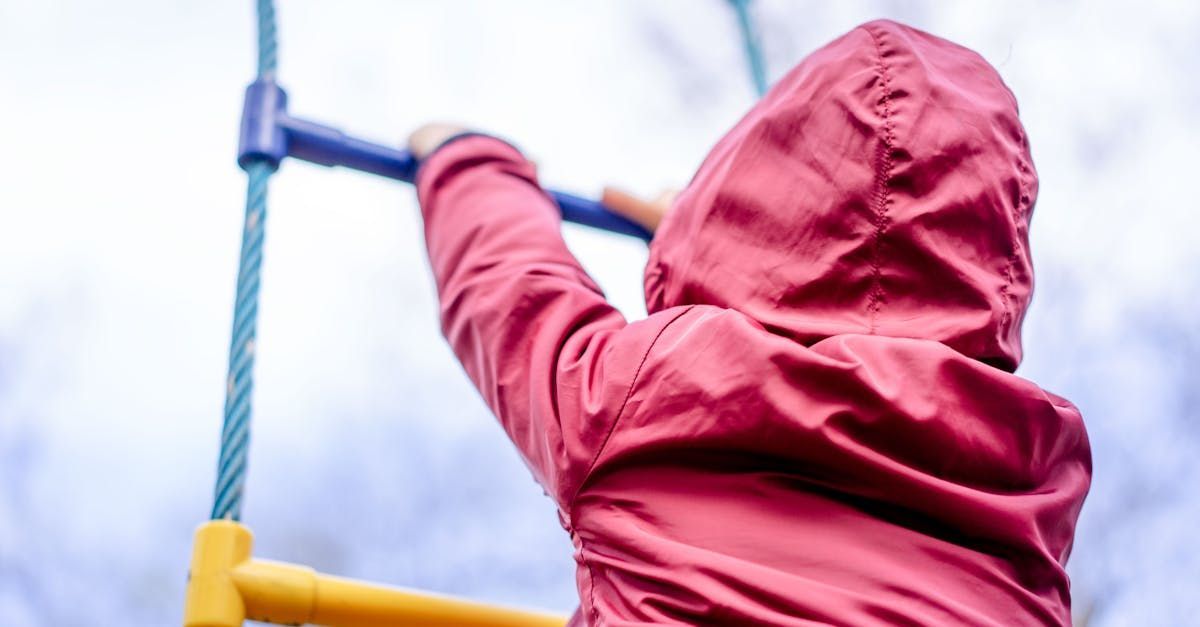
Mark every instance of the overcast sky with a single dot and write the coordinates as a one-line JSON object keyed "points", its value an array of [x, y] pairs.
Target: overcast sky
{"points": [[120, 212]]}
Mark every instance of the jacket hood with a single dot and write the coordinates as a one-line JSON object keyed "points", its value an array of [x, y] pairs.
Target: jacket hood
{"points": [[884, 186]]}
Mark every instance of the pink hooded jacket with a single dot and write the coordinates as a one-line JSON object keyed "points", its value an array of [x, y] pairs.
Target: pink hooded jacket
{"points": [[818, 421]]}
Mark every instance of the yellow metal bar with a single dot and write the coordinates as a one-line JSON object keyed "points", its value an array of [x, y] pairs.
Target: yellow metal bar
{"points": [[226, 587]]}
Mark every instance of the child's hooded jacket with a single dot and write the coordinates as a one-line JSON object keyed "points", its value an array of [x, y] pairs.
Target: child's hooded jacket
{"points": [[818, 421]]}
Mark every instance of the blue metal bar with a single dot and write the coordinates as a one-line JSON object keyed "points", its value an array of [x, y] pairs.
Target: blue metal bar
{"points": [[312, 142], [270, 134], [591, 213]]}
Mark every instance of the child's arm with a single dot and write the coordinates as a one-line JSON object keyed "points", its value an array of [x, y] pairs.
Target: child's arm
{"points": [[532, 330]]}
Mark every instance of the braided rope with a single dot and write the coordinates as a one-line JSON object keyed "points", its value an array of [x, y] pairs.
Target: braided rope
{"points": [[235, 434], [750, 42], [266, 39]]}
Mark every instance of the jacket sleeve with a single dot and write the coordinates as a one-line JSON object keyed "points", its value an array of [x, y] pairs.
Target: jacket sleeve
{"points": [[532, 330]]}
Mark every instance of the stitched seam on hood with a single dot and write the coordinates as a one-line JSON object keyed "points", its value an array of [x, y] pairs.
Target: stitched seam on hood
{"points": [[1020, 243], [1020, 216], [883, 196], [1006, 297]]}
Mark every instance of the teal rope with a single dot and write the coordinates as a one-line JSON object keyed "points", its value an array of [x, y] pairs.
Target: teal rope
{"points": [[235, 434], [267, 45], [750, 41]]}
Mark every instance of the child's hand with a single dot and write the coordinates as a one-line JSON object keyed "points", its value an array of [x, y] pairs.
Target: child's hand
{"points": [[428, 137], [646, 213]]}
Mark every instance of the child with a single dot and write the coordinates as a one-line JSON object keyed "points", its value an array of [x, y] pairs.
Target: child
{"points": [[818, 421]]}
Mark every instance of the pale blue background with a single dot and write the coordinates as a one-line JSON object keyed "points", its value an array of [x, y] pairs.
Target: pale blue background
{"points": [[119, 223]]}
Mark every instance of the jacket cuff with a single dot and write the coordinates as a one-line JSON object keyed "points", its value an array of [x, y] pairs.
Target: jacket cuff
{"points": [[465, 145]]}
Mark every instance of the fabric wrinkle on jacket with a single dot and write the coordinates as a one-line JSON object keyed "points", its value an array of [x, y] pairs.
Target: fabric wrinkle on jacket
{"points": [[818, 421]]}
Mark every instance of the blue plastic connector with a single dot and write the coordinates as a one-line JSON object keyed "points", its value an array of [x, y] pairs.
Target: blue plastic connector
{"points": [[269, 134], [262, 137]]}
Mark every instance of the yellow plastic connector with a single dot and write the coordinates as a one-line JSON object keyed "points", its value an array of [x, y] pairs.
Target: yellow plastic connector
{"points": [[213, 599], [226, 587]]}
